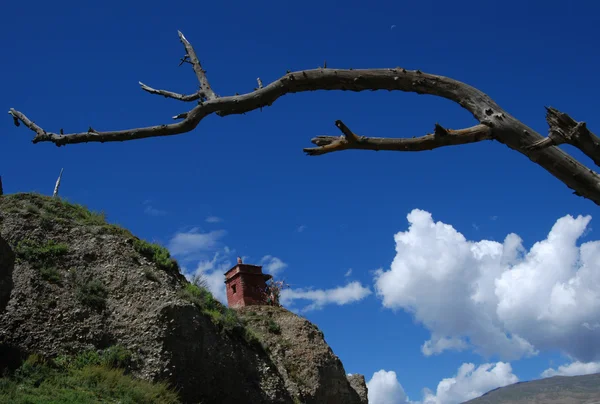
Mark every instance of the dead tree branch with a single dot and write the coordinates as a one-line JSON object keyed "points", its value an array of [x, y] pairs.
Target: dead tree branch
{"points": [[170, 94], [205, 90], [564, 129], [441, 137], [493, 121]]}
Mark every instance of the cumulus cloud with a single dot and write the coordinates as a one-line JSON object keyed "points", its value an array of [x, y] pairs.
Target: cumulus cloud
{"points": [[195, 244], [470, 382], [350, 293], [384, 388], [497, 298], [272, 265], [573, 369]]}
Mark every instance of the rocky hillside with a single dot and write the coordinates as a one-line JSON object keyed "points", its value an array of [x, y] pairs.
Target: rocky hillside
{"points": [[553, 390], [70, 282], [307, 364]]}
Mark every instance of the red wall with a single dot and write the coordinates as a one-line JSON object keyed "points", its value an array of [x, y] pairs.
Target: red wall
{"points": [[248, 287]]}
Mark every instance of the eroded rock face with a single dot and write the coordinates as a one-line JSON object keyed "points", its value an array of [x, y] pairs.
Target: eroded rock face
{"points": [[312, 372], [359, 385], [90, 288], [142, 309], [7, 263]]}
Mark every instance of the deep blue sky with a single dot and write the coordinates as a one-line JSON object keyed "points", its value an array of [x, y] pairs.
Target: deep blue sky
{"points": [[70, 65]]}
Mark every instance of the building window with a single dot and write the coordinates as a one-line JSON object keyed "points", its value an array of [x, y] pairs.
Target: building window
{"points": [[233, 288]]}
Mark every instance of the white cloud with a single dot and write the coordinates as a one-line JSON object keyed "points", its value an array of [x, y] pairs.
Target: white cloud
{"points": [[573, 369], [384, 388], [470, 382], [152, 211], [213, 273], [193, 244], [272, 265], [301, 228], [348, 272], [437, 345], [350, 293], [497, 298], [213, 219]]}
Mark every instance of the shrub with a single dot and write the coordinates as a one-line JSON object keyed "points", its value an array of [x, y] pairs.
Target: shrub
{"points": [[116, 356], [46, 221], [81, 379], [40, 255], [93, 294], [32, 209], [200, 296], [273, 327], [156, 253], [51, 275], [150, 275], [117, 230], [85, 358]]}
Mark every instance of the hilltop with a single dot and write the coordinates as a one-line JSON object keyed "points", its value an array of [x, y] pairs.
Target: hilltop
{"points": [[74, 286], [552, 390]]}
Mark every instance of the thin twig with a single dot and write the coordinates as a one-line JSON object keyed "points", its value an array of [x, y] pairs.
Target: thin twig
{"points": [[170, 94]]}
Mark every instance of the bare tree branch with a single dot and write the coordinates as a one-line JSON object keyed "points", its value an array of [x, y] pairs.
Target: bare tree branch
{"points": [[170, 94], [564, 129], [187, 125], [494, 122], [440, 138], [205, 89]]}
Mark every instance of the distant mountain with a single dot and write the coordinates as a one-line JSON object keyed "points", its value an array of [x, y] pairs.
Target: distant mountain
{"points": [[553, 390]]}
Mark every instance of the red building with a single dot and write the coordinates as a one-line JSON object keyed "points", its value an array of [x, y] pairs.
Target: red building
{"points": [[245, 285]]}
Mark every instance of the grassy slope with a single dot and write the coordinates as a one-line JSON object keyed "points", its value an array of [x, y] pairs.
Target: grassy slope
{"points": [[90, 377]]}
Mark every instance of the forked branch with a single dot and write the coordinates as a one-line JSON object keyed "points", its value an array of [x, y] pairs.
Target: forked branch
{"points": [[493, 122]]}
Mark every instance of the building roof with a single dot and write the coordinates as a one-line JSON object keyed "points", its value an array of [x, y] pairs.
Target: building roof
{"points": [[247, 269]]}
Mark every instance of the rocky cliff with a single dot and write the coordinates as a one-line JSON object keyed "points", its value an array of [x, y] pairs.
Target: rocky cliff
{"points": [[69, 281]]}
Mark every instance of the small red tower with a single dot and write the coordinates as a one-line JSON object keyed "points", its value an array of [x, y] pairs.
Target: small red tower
{"points": [[245, 285]]}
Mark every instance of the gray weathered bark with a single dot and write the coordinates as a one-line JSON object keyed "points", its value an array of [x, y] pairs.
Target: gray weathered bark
{"points": [[494, 122], [55, 193]]}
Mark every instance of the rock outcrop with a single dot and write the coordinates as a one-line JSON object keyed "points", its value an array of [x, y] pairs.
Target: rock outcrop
{"points": [[77, 283], [7, 263], [310, 369], [359, 385]]}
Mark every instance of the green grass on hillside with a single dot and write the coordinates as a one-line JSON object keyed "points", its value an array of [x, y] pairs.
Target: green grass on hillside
{"points": [[52, 211], [226, 319], [57, 210], [90, 377]]}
